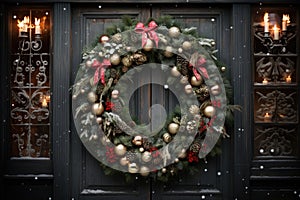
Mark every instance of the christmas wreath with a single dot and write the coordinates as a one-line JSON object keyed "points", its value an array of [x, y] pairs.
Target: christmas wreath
{"points": [[190, 132]]}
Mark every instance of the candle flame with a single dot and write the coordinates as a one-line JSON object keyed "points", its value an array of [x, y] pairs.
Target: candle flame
{"points": [[266, 17], [20, 24], [286, 18], [37, 21], [26, 20], [275, 28]]}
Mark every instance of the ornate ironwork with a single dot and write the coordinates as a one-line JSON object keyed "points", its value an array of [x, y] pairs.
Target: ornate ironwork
{"points": [[275, 141], [279, 107], [30, 95], [274, 46], [275, 69]]}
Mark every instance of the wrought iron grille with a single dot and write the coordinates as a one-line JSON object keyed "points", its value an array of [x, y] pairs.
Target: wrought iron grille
{"points": [[275, 83], [30, 84]]}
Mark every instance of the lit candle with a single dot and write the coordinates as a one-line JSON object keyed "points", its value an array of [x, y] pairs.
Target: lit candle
{"points": [[265, 81], [26, 23], [267, 117], [266, 22], [44, 103], [21, 27], [288, 79], [276, 32], [37, 26], [285, 21]]}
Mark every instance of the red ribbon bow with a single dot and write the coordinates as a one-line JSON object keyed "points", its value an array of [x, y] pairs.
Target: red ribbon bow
{"points": [[216, 103], [197, 62], [200, 62], [147, 32], [100, 69]]}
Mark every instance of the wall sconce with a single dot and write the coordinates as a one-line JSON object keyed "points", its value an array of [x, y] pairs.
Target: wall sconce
{"points": [[274, 35], [26, 24]]}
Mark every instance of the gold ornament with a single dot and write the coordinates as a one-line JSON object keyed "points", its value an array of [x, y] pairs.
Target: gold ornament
{"points": [[115, 59], [146, 156], [188, 89], [167, 137], [186, 45], [168, 52], [215, 90], [100, 54], [184, 80], [88, 63], [223, 69], [144, 171], [209, 111], [164, 170], [124, 161], [141, 149], [137, 140], [149, 45], [103, 39], [195, 81], [180, 50], [97, 108], [173, 128], [175, 72], [120, 149], [174, 32], [92, 97], [176, 160], [115, 94], [133, 168], [127, 61], [128, 48], [99, 120], [182, 154]]}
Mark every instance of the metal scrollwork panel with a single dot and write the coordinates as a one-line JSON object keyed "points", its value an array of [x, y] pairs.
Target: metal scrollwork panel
{"points": [[276, 106], [30, 141], [30, 85], [276, 141], [275, 69]]}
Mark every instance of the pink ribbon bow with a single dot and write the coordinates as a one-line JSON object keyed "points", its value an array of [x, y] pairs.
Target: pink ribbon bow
{"points": [[199, 66], [197, 63], [100, 69], [147, 32]]}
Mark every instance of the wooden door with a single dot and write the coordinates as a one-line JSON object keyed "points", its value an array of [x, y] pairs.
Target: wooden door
{"points": [[88, 178], [213, 180]]}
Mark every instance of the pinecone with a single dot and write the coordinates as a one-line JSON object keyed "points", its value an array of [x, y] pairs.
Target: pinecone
{"points": [[131, 155], [99, 88], [195, 147], [113, 73], [117, 38], [202, 93], [147, 144], [139, 58], [184, 65]]}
